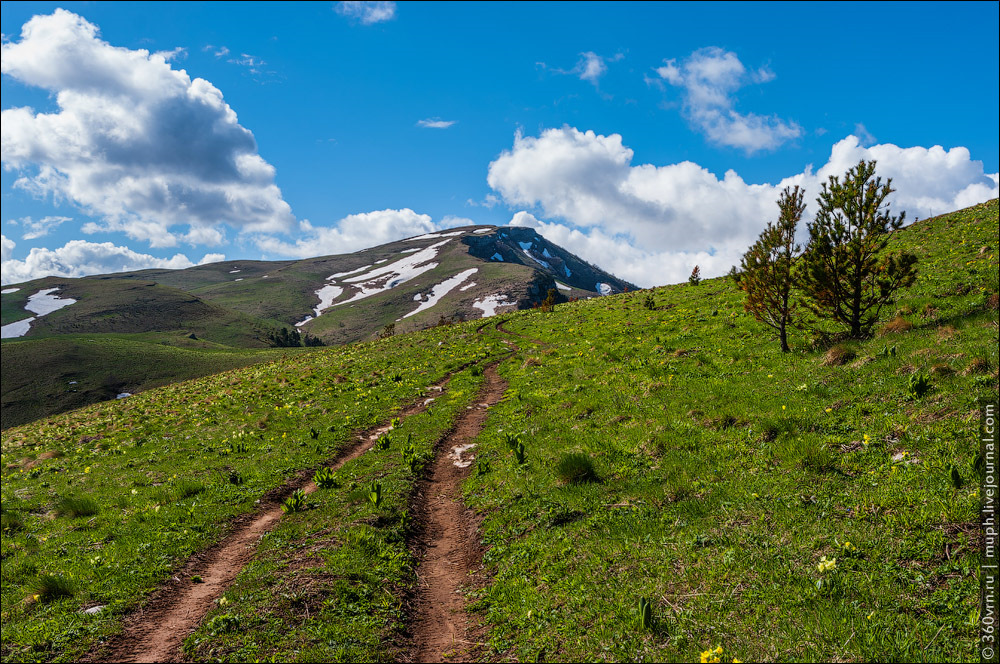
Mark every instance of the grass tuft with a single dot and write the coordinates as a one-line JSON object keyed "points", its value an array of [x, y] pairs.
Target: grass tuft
{"points": [[76, 506], [577, 468], [48, 587]]}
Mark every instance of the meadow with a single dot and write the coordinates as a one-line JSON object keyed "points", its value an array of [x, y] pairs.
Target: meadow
{"points": [[658, 483]]}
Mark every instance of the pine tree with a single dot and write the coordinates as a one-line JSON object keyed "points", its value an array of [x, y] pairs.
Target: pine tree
{"points": [[845, 276], [695, 277], [766, 269]]}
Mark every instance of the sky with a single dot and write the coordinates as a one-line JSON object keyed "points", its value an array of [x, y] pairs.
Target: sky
{"points": [[647, 138]]}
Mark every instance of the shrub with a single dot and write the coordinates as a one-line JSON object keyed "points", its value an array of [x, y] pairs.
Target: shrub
{"points": [[74, 506], [576, 468]]}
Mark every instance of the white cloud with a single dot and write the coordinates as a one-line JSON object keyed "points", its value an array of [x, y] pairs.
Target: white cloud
{"points": [[136, 143], [353, 232], [435, 123], [212, 258], [178, 53], [368, 12], [40, 228], [79, 258], [864, 136], [590, 67], [6, 248], [709, 78], [651, 224]]}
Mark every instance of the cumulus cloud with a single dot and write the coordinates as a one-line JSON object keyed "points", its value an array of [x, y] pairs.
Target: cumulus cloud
{"points": [[368, 12], [652, 224], [709, 78], [353, 232], [435, 123], [34, 229], [136, 143], [79, 258]]}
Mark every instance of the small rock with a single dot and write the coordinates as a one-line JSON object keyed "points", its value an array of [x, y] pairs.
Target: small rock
{"points": [[94, 609]]}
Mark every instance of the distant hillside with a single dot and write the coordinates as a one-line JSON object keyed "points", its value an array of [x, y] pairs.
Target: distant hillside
{"points": [[459, 274]]}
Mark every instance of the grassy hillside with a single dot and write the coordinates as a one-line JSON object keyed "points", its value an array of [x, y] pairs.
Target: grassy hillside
{"points": [[672, 454], [52, 375]]}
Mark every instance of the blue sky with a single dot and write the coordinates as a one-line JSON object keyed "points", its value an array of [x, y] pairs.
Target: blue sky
{"points": [[645, 137]]}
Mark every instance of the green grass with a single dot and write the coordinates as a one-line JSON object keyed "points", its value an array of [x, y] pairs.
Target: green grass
{"points": [[142, 459], [43, 377], [732, 470], [730, 476], [351, 564]]}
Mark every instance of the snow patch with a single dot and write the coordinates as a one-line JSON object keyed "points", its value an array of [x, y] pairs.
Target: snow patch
{"points": [[480, 231], [443, 289], [526, 246], [467, 286], [16, 329], [347, 274], [410, 251], [44, 302], [545, 252], [381, 261], [123, 395], [389, 276], [496, 257], [603, 288], [489, 304], [8, 291], [561, 286], [239, 279], [566, 270], [430, 236], [456, 455], [266, 276], [233, 271]]}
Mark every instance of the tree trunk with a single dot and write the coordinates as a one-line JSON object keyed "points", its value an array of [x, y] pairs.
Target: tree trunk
{"points": [[784, 337]]}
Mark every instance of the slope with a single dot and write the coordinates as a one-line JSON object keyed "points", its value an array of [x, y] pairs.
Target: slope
{"points": [[793, 506]]}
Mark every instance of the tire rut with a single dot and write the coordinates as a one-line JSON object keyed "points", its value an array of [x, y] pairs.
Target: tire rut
{"points": [[447, 543], [156, 632]]}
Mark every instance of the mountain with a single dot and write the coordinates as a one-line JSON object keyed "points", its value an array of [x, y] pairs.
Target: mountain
{"points": [[213, 310]]}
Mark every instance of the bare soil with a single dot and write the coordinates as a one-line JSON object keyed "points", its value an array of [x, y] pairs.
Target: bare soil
{"points": [[447, 542]]}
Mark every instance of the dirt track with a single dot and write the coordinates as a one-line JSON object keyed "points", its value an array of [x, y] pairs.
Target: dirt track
{"points": [[448, 544], [157, 631]]}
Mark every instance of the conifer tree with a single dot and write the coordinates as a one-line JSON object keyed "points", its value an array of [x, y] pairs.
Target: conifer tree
{"points": [[695, 277], [845, 276], [766, 269]]}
